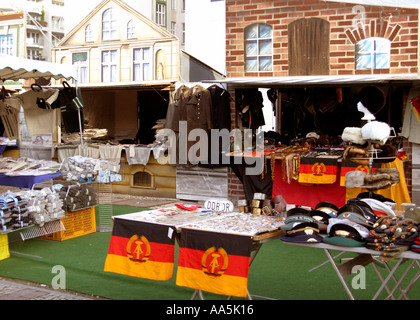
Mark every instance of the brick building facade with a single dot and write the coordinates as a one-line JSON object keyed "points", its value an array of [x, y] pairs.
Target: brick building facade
{"points": [[348, 24], [283, 38]]}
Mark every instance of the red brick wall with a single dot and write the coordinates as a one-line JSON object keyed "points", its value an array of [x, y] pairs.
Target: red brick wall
{"points": [[380, 21], [400, 25]]}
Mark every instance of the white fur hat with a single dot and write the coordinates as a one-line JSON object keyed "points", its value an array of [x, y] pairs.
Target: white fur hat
{"points": [[376, 131], [353, 134]]}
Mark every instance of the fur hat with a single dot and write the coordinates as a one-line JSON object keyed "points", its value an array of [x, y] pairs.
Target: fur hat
{"points": [[355, 179], [353, 135], [376, 131]]}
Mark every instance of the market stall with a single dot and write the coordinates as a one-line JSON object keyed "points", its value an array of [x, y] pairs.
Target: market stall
{"points": [[214, 246], [310, 114], [34, 212]]}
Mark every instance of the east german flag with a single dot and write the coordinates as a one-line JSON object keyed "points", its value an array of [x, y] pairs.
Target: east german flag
{"points": [[141, 249], [317, 170], [347, 166], [415, 106], [214, 262]]}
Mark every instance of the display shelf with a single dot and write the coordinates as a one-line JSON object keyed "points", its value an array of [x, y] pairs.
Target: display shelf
{"points": [[76, 224], [36, 231]]}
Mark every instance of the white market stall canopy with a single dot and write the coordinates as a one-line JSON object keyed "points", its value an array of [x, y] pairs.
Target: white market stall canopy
{"points": [[287, 81], [16, 68]]}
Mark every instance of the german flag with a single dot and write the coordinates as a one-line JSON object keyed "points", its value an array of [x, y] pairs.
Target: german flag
{"points": [[214, 262], [415, 106], [141, 250], [317, 170], [347, 166]]}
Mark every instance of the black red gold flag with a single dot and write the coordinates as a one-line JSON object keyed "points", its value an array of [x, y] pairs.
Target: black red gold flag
{"points": [[347, 166], [141, 249], [214, 262], [317, 170], [415, 106]]}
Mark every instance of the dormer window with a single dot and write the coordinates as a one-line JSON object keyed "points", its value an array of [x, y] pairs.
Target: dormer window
{"points": [[109, 25], [88, 33], [131, 30]]}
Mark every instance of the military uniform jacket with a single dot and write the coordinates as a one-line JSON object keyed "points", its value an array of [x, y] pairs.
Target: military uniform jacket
{"points": [[199, 109]]}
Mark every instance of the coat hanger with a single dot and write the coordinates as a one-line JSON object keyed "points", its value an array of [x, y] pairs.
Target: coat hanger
{"points": [[36, 87], [4, 93]]}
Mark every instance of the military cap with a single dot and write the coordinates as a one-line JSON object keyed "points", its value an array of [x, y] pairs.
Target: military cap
{"points": [[305, 232], [327, 207]]}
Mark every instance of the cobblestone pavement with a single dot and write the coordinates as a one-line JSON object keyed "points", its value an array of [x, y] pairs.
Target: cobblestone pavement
{"points": [[11, 289], [20, 290]]}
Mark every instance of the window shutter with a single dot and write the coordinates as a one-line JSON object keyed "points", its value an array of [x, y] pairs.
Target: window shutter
{"points": [[309, 41]]}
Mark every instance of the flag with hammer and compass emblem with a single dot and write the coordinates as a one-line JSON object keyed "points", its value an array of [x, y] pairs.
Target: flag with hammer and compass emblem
{"points": [[214, 262], [141, 249], [317, 170]]}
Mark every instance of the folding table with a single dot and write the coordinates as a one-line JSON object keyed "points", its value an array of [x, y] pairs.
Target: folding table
{"points": [[257, 242], [183, 220], [365, 257], [22, 181]]}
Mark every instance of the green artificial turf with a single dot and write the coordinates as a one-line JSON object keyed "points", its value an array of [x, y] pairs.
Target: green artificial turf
{"points": [[279, 271]]}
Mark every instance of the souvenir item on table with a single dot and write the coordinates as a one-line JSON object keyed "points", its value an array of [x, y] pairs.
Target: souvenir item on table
{"points": [[186, 207], [353, 135], [239, 223], [26, 166], [304, 232], [356, 154], [363, 209], [243, 206], [294, 220], [322, 219], [376, 131], [385, 153], [327, 207], [86, 169], [413, 213], [173, 216], [346, 233], [297, 211], [379, 208], [391, 236], [26, 208], [382, 178], [355, 179], [77, 196]]}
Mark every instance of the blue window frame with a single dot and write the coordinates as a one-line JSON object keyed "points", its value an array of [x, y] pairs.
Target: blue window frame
{"points": [[373, 53], [259, 47]]}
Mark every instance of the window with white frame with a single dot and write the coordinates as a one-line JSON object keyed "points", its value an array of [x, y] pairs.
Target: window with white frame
{"points": [[6, 44], [173, 4], [109, 66], [373, 53], [161, 13], [173, 28], [183, 34], [259, 47], [142, 64], [80, 61], [88, 33], [109, 25], [131, 30]]}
